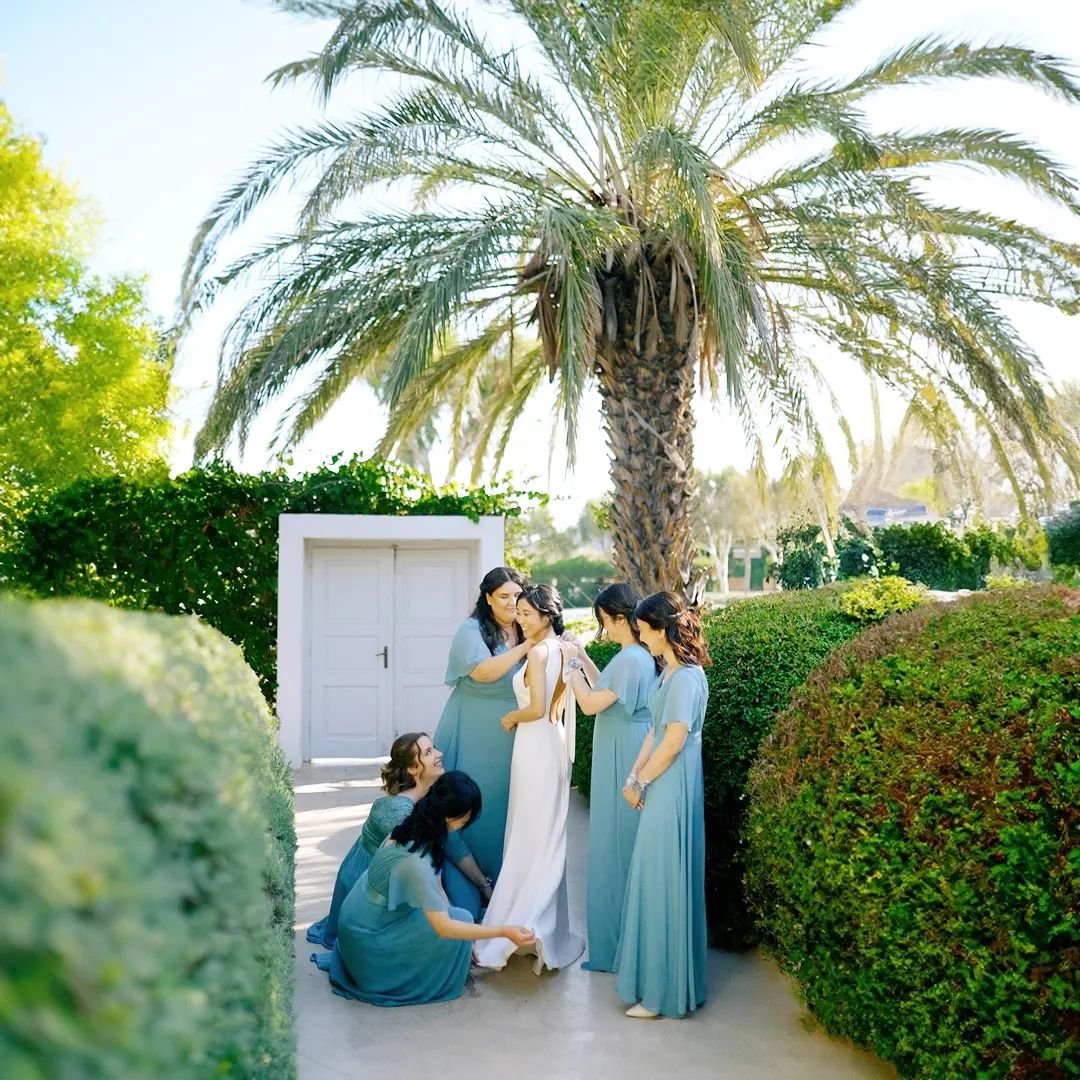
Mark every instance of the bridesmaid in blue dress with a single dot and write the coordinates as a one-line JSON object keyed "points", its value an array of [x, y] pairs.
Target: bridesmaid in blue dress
{"points": [[400, 941], [413, 767], [618, 697], [486, 653], [661, 958]]}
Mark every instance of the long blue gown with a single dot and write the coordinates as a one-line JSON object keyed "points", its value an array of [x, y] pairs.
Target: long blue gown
{"points": [[661, 956], [386, 951], [470, 739], [618, 732], [385, 815]]}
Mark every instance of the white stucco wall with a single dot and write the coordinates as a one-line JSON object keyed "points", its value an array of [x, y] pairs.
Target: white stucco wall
{"points": [[296, 535]]}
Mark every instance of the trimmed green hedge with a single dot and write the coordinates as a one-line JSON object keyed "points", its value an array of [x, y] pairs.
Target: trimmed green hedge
{"points": [[915, 838], [146, 827], [761, 649], [206, 542]]}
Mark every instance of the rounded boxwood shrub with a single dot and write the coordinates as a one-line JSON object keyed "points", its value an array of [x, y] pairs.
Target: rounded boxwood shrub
{"points": [[146, 827], [914, 826]]}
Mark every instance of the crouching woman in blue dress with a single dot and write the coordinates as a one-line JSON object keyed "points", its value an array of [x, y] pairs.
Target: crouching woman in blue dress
{"points": [[407, 777], [399, 941], [660, 963]]}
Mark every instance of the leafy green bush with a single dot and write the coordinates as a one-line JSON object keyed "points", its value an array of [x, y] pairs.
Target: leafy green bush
{"points": [[1063, 538], [874, 599], [914, 827], [761, 650], [147, 836], [927, 553], [857, 553], [579, 579], [802, 558], [206, 542]]}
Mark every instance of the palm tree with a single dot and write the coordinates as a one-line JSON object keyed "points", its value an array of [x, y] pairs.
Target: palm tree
{"points": [[607, 180]]}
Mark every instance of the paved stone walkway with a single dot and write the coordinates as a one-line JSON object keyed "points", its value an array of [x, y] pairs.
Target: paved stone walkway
{"points": [[559, 1026]]}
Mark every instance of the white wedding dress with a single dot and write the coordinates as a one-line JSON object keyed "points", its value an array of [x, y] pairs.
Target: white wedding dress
{"points": [[531, 889]]}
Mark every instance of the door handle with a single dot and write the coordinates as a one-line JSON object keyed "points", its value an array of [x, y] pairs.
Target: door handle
{"points": [[384, 652]]}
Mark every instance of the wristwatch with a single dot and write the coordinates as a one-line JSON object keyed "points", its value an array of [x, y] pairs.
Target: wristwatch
{"points": [[574, 664]]}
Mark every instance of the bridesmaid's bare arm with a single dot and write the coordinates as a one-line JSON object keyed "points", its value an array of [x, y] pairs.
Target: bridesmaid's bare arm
{"points": [[535, 675], [495, 667]]}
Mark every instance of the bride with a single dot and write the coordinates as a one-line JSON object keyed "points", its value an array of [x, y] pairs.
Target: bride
{"points": [[531, 888]]}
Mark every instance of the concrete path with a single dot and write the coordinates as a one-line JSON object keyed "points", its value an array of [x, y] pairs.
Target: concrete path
{"points": [[560, 1026]]}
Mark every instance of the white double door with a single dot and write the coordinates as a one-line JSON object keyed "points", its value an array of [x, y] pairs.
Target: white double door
{"points": [[381, 621]]}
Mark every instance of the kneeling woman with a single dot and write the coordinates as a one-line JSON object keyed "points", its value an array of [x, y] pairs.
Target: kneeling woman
{"points": [[399, 940], [407, 777]]}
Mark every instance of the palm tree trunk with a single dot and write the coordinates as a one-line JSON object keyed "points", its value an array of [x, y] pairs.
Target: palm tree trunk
{"points": [[648, 411]]}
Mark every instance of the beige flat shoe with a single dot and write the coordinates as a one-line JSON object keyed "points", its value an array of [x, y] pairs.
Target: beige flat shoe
{"points": [[639, 1012]]}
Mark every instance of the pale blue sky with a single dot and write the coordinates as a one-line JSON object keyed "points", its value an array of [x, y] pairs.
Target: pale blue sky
{"points": [[150, 107]]}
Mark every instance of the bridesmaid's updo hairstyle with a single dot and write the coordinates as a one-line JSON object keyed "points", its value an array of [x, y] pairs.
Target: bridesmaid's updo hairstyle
{"points": [[546, 600], [681, 626], [490, 630], [404, 754], [618, 599], [424, 831]]}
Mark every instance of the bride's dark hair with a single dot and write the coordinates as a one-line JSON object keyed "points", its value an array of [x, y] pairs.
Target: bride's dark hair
{"points": [[547, 601], [424, 831], [490, 630]]}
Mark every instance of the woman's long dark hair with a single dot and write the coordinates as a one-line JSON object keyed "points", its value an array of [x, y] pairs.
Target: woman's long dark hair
{"points": [[424, 831], [618, 599], [546, 600], [681, 626], [490, 630]]}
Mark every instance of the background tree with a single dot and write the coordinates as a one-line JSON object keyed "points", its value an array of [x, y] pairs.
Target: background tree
{"points": [[608, 177], [83, 391], [731, 508]]}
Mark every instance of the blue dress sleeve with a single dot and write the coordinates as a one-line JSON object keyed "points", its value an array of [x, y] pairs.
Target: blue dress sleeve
{"points": [[413, 884], [456, 848], [466, 651], [627, 677], [685, 702], [385, 815]]}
